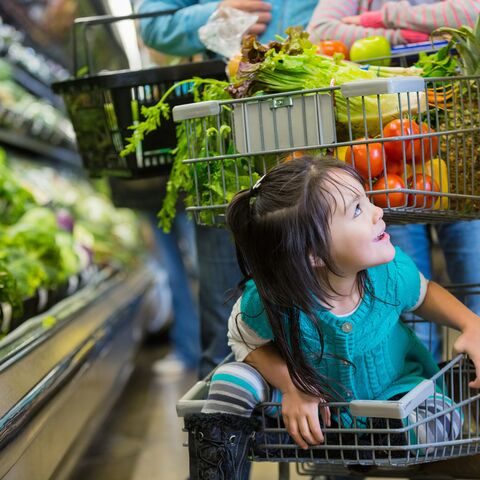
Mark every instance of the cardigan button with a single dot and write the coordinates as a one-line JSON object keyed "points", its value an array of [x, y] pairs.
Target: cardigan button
{"points": [[347, 327]]}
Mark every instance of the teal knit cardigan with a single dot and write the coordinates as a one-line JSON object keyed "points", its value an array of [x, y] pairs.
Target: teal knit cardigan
{"points": [[386, 356]]}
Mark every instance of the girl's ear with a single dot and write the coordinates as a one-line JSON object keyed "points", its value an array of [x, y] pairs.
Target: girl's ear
{"points": [[316, 261]]}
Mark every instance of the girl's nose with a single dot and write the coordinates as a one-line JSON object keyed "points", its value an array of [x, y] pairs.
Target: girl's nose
{"points": [[377, 213]]}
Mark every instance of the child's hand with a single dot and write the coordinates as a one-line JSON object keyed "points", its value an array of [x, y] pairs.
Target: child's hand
{"points": [[300, 415], [469, 342], [354, 20]]}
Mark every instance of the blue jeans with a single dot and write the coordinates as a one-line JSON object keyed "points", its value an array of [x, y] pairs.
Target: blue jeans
{"points": [[173, 250], [460, 243], [219, 275]]}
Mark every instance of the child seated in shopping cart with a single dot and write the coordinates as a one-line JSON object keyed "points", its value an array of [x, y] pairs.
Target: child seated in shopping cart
{"points": [[319, 316]]}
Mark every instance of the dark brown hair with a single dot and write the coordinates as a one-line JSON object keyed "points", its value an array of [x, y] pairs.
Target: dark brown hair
{"points": [[277, 226]]}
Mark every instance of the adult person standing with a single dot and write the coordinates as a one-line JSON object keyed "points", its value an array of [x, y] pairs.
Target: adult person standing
{"points": [[177, 34], [173, 261], [406, 22]]}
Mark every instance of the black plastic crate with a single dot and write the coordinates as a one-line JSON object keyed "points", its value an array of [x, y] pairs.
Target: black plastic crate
{"points": [[103, 106]]}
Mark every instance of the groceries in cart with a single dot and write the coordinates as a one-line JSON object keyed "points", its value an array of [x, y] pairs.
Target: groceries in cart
{"points": [[286, 98]]}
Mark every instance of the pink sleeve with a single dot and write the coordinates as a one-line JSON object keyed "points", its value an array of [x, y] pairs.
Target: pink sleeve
{"points": [[426, 18], [410, 36], [326, 24], [372, 19]]}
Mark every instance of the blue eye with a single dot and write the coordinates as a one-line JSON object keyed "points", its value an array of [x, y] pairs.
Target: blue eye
{"points": [[358, 210]]}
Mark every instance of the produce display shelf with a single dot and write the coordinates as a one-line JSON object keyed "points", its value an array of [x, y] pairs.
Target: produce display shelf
{"points": [[36, 86], [61, 371], [24, 142]]}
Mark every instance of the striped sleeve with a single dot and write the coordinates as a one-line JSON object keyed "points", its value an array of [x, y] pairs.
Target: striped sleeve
{"points": [[326, 24], [428, 17], [241, 338]]}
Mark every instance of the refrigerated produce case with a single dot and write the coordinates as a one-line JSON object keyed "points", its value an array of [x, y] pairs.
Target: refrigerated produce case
{"points": [[63, 365], [61, 372]]}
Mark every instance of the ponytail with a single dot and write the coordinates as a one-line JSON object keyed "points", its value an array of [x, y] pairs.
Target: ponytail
{"points": [[278, 225], [238, 219]]}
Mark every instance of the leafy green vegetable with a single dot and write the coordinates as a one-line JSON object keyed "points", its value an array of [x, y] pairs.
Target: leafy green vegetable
{"points": [[15, 200], [284, 69], [37, 243], [207, 179], [27, 270], [153, 115], [9, 292], [467, 42], [438, 64], [70, 261]]}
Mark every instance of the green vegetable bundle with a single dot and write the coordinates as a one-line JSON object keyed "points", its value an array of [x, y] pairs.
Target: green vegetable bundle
{"points": [[34, 251], [204, 182], [15, 200], [295, 65]]}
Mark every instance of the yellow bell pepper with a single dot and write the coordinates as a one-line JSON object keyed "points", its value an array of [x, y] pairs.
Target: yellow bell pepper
{"points": [[437, 169], [340, 153]]}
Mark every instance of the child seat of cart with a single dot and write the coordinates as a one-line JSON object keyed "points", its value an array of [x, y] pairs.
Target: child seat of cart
{"points": [[369, 445]]}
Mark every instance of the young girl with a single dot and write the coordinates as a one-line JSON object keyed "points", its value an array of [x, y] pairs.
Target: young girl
{"points": [[319, 315]]}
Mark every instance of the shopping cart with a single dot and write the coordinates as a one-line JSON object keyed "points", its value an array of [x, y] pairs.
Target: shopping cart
{"points": [[103, 106], [377, 443], [232, 143]]}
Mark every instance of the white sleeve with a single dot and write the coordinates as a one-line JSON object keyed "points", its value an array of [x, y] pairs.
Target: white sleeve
{"points": [[241, 338], [423, 292]]}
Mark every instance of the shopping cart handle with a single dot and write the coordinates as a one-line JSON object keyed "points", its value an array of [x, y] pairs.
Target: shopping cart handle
{"points": [[398, 409], [378, 86], [195, 110], [193, 400]]}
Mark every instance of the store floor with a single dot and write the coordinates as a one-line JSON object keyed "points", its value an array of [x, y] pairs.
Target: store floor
{"points": [[142, 438]]}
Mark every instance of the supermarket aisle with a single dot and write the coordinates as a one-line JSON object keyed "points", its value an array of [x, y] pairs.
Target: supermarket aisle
{"points": [[142, 439]]}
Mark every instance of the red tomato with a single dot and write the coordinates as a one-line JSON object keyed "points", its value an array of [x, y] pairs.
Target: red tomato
{"points": [[395, 168], [361, 159], [330, 47], [401, 169], [389, 199], [430, 144], [394, 150], [425, 183]]}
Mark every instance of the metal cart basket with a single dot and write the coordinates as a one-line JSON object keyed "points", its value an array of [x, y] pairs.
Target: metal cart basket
{"points": [[103, 107], [435, 176], [378, 442]]}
